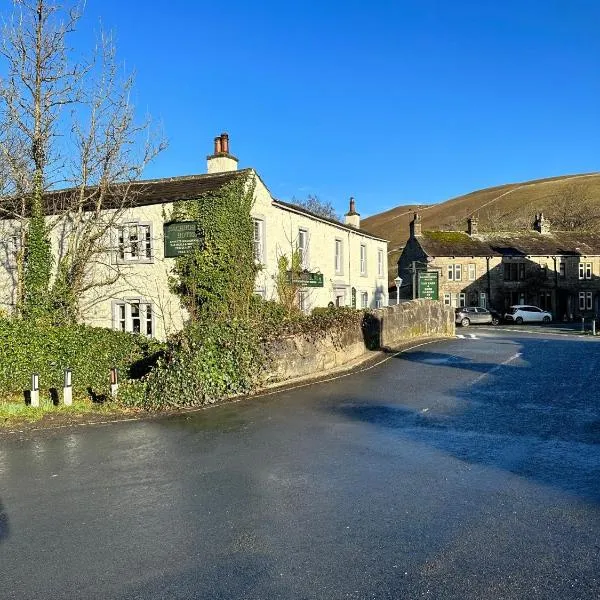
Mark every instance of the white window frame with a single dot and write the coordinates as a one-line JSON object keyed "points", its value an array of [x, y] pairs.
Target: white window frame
{"points": [[586, 300], [259, 241], [303, 300], [363, 260], [447, 299], [338, 256], [380, 262], [144, 250], [585, 270], [472, 271], [455, 272], [364, 300], [483, 299], [123, 319], [562, 268], [302, 246]]}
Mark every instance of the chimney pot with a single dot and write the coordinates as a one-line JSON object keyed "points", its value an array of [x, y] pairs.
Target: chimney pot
{"points": [[225, 143], [217, 145]]}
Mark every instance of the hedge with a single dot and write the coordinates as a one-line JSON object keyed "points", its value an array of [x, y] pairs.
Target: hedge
{"points": [[90, 352]]}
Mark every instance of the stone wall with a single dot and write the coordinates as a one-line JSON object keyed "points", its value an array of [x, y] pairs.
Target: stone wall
{"points": [[297, 356]]}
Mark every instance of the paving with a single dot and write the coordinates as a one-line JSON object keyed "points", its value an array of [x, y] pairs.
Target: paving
{"points": [[462, 469]]}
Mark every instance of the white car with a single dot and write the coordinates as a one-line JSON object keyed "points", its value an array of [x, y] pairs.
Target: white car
{"points": [[520, 313]]}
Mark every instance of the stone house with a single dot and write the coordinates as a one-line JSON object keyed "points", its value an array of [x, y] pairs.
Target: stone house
{"points": [[350, 264], [557, 271]]}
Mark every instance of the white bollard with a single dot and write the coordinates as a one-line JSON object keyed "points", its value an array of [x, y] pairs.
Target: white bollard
{"points": [[35, 390], [114, 382], [68, 389], [593, 326]]}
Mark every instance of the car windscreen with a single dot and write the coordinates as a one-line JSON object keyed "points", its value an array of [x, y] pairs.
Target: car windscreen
{"points": [[512, 310]]}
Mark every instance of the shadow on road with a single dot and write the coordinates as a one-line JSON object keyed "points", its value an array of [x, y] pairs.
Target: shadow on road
{"points": [[538, 417], [4, 529]]}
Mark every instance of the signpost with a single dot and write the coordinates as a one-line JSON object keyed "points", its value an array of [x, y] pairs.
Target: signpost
{"points": [[306, 279], [180, 238], [428, 285]]}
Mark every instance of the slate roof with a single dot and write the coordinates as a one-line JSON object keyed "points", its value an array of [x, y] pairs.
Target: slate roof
{"points": [[300, 209], [152, 191], [561, 243]]}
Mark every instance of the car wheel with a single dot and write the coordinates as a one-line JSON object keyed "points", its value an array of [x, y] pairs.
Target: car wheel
{"points": [[495, 321], [519, 320], [465, 322], [547, 319]]}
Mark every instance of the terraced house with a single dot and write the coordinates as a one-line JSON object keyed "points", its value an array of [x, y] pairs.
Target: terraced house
{"points": [[341, 263], [557, 271]]}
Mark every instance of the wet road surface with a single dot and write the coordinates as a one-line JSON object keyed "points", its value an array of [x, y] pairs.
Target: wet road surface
{"points": [[464, 469]]}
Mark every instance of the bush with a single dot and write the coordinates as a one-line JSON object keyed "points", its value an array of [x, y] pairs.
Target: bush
{"points": [[203, 364], [90, 352]]}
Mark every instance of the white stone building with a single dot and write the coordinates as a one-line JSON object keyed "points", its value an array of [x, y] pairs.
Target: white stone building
{"points": [[352, 262]]}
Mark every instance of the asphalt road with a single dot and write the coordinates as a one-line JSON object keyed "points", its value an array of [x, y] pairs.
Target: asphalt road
{"points": [[464, 469]]}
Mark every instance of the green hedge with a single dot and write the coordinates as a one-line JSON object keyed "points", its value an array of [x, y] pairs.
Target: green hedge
{"points": [[26, 347]]}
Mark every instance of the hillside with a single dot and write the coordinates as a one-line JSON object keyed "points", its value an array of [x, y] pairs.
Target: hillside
{"points": [[505, 207]]}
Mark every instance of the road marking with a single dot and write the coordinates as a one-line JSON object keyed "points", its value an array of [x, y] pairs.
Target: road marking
{"points": [[494, 369]]}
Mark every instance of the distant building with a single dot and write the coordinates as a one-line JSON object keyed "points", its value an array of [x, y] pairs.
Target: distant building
{"points": [[557, 271], [348, 265]]}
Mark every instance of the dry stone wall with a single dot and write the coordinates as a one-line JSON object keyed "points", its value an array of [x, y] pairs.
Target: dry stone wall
{"points": [[297, 356]]}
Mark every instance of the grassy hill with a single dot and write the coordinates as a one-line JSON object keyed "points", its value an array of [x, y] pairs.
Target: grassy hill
{"points": [[501, 208]]}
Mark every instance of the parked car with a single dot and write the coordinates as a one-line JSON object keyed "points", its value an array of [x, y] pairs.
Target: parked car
{"points": [[521, 313], [470, 315]]}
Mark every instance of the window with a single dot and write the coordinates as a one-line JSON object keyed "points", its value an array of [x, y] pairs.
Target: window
{"points": [[303, 246], [460, 300], [562, 269], [483, 300], [514, 271], [585, 270], [302, 300], [585, 300], [379, 300], [135, 316], [472, 271], [364, 299], [259, 241], [380, 263], [338, 256], [447, 299], [135, 242], [454, 272], [363, 259]]}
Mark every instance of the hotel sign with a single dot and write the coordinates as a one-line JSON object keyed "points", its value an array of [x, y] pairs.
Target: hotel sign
{"points": [[428, 285], [180, 238]]}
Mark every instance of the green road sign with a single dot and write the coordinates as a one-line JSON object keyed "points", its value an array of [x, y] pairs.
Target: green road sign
{"points": [[306, 279], [180, 238], [428, 285]]}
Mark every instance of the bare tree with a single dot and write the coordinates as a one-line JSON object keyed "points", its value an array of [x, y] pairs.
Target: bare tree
{"points": [[317, 206], [575, 209], [104, 154]]}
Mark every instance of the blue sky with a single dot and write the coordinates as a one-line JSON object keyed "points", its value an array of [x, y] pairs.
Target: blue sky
{"points": [[391, 102]]}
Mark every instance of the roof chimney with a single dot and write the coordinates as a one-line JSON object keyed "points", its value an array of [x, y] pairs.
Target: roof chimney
{"points": [[472, 223], [221, 161], [541, 225], [352, 218], [415, 226]]}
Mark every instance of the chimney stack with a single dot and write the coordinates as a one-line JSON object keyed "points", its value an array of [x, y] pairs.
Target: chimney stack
{"points": [[221, 161], [541, 225], [352, 218], [415, 226], [472, 223]]}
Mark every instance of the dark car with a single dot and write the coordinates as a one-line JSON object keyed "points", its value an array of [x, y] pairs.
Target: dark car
{"points": [[471, 315]]}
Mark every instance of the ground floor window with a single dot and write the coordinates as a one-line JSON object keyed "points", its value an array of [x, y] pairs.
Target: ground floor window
{"points": [[585, 301], [545, 301], [135, 316], [455, 300], [339, 297], [364, 299], [303, 300], [483, 300]]}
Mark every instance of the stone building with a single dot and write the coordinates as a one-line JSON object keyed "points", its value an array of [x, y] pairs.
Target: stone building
{"points": [[348, 265], [557, 271]]}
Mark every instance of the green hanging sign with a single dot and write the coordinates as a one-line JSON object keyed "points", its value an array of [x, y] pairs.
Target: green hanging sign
{"points": [[428, 285], [180, 238]]}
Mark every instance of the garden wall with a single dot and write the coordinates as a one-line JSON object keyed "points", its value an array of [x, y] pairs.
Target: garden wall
{"points": [[298, 356]]}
